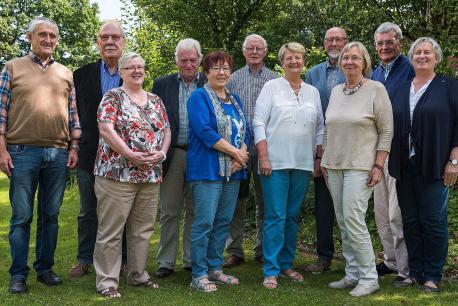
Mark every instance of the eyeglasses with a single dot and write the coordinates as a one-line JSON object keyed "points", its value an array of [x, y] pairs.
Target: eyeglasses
{"points": [[388, 43], [218, 69], [133, 68], [339, 40], [254, 49], [106, 37], [353, 58]]}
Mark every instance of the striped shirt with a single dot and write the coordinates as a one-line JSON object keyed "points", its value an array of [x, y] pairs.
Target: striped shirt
{"points": [[107, 80], [387, 68], [5, 99], [185, 91], [248, 86]]}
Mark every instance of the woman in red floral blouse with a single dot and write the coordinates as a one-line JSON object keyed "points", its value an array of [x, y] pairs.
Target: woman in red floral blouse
{"points": [[134, 139]]}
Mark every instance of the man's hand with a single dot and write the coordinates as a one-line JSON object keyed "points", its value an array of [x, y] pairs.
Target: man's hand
{"points": [[6, 163], [72, 158]]}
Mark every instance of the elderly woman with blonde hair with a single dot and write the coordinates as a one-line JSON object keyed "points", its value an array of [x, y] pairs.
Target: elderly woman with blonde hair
{"points": [[288, 131], [359, 128], [134, 139]]}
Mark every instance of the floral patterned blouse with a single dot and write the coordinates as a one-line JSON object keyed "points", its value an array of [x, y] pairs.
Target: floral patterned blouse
{"points": [[142, 128]]}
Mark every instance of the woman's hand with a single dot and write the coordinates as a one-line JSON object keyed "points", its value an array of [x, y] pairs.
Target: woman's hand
{"points": [[142, 160], [375, 176], [317, 168], [241, 156], [235, 166], [450, 174], [265, 168], [324, 172], [157, 157]]}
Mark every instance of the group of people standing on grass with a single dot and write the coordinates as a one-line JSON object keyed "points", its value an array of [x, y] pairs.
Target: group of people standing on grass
{"points": [[193, 144]]}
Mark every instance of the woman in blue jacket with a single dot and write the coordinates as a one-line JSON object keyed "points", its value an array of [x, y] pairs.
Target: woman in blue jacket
{"points": [[216, 158]]}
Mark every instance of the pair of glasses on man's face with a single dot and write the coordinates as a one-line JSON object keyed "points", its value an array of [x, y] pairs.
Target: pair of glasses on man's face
{"points": [[254, 49], [387, 43], [339, 40]]}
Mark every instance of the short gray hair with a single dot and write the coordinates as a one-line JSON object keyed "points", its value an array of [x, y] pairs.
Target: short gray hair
{"points": [[188, 44], [127, 57], [41, 20], [291, 46], [436, 48], [387, 27], [362, 49], [105, 22], [254, 36]]}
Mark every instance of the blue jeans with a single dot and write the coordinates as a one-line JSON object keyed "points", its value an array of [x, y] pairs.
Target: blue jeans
{"points": [[45, 168], [87, 219], [424, 216], [284, 192], [214, 205]]}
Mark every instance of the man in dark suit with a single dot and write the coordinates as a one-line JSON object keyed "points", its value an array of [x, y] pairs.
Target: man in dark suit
{"points": [[324, 77], [91, 83], [174, 90]]}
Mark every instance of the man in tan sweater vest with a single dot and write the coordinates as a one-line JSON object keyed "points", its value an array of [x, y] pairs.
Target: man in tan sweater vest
{"points": [[39, 132]]}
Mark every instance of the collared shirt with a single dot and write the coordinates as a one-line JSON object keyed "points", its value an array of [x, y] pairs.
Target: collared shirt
{"points": [[107, 80], [185, 91], [413, 100], [332, 76], [387, 68], [5, 99], [248, 86]]}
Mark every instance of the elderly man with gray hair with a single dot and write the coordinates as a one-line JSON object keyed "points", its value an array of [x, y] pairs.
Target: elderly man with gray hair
{"points": [[394, 69], [92, 81], [174, 90], [325, 76], [247, 83], [39, 132]]}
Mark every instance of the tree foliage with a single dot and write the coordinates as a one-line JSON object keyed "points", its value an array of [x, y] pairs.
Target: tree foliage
{"points": [[223, 24], [77, 21]]}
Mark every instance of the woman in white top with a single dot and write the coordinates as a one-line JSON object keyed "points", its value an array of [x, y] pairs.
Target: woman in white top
{"points": [[288, 130]]}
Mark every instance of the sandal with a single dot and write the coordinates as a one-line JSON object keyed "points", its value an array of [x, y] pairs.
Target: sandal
{"points": [[149, 284], [110, 293], [270, 282], [292, 275], [431, 289], [203, 284], [219, 277]]}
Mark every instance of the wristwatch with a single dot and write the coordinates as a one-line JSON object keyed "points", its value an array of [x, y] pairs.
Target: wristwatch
{"points": [[453, 161], [75, 147]]}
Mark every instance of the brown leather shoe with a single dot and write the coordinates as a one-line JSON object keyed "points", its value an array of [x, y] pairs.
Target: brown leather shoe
{"points": [[233, 261], [319, 266], [79, 270]]}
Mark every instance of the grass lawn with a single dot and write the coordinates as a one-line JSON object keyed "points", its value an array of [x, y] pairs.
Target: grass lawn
{"points": [[175, 289]]}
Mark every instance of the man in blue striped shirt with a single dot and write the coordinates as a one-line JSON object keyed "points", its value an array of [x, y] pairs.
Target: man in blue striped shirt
{"points": [[92, 81], [247, 83]]}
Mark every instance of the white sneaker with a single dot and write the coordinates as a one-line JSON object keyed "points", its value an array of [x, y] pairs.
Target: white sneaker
{"points": [[365, 289], [343, 283]]}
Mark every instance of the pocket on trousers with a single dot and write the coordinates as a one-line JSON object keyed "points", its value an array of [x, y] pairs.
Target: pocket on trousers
{"points": [[15, 149]]}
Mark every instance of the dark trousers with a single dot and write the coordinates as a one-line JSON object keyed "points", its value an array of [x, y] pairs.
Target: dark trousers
{"points": [[324, 214], [424, 215], [87, 219]]}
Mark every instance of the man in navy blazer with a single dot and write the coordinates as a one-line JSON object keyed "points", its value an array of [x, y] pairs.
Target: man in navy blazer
{"points": [[394, 70], [92, 81], [174, 90], [324, 77]]}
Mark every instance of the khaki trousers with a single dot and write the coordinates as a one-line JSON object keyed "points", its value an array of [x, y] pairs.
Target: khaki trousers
{"points": [[350, 195], [175, 196], [123, 204], [389, 224]]}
